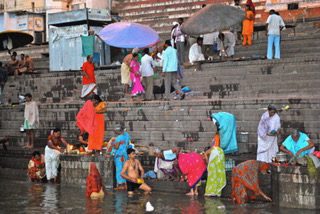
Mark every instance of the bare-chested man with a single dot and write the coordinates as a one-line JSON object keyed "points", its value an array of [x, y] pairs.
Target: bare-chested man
{"points": [[52, 153], [130, 172]]}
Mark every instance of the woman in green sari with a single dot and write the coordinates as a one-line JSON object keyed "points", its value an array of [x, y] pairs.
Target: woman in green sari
{"points": [[216, 180]]}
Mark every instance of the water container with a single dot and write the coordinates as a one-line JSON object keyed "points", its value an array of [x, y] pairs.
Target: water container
{"points": [[243, 137]]}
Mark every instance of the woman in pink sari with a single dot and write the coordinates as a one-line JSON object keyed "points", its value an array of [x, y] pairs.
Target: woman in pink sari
{"points": [[135, 76], [192, 166]]}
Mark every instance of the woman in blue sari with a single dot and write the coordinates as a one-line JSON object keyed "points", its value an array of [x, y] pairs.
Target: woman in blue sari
{"points": [[120, 146], [227, 128]]}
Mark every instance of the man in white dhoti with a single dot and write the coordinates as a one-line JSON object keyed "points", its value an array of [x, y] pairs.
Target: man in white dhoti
{"points": [[52, 153], [268, 129]]}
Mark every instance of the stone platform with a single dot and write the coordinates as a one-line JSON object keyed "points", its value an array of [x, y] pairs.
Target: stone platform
{"points": [[294, 187]]}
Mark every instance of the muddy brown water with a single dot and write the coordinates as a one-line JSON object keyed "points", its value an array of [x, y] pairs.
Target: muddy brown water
{"points": [[26, 197]]}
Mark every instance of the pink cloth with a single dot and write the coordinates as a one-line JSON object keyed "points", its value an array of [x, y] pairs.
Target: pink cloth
{"points": [[135, 77], [86, 117], [192, 165]]}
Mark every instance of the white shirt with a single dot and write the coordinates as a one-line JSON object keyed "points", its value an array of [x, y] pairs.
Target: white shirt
{"points": [[195, 53], [274, 23], [146, 66], [178, 34]]}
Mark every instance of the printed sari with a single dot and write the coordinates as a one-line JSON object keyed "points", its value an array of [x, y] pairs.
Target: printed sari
{"points": [[245, 181], [36, 169], [216, 180]]}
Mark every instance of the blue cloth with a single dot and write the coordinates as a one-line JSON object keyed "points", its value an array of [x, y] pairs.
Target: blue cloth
{"points": [[169, 155], [120, 155], [227, 131], [273, 40], [294, 146], [87, 45], [170, 60], [150, 174]]}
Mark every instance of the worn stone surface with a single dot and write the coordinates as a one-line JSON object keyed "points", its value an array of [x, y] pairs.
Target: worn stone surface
{"points": [[293, 187], [75, 169]]}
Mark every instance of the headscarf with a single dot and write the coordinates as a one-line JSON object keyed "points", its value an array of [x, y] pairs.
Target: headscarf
{"points": [[94, 181]]}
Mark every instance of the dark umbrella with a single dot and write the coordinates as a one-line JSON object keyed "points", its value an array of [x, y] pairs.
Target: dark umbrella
{"points": [[11, 39], [213, 18]]}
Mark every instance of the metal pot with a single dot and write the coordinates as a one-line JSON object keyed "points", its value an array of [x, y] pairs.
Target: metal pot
{"points": [[281, 157]]}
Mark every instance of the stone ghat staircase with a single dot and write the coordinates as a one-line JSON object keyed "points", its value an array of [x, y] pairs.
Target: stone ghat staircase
{"points": [[243, 88]]}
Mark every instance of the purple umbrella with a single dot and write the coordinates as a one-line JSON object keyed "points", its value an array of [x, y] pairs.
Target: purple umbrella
{"points": [[128, 35]]}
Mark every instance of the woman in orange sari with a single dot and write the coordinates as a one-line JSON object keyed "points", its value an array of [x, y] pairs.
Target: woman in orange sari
{"points": [[245, 181], [247, 26], [94, 183], [96, 138], [36, 167]]}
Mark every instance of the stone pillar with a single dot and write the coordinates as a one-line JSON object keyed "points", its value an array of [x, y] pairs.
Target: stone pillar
{"points": [[75, 169]]}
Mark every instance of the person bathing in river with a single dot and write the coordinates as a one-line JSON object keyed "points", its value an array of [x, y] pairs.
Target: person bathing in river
{"points": [[133, 172], [94, 183]]}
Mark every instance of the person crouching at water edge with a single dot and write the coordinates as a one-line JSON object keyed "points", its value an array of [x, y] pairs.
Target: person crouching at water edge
{"points": [[245, 181], [94, 183], [130, 172], [36, 167], [52, 153]]}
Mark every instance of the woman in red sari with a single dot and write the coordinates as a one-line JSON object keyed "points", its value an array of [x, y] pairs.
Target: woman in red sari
{"points": [[94, 183], [245, 181], [36, 168]]}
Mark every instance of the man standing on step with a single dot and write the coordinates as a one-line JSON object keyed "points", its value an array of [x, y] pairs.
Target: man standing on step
{"points": [[180, 41], [88, 78], [147, 74], [274, 25], [169, 69]]}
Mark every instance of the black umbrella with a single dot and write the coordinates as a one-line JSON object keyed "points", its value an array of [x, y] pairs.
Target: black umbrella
{"points": [[213, 18], [11, 39]]}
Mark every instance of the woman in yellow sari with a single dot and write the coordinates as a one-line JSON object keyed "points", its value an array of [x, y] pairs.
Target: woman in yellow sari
{"points": [[97, 137], [247, 26]]}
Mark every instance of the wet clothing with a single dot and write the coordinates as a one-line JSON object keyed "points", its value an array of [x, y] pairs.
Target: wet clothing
{"points": [[245, 180], [52, 162], [120, 155], [131, 186], [94, 186]]}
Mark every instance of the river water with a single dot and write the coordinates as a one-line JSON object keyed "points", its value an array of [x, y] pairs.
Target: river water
{"points": [[26, 197]]}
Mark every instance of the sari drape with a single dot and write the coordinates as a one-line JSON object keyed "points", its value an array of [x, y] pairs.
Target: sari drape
{"points": [[193, 166], [216, 180]]}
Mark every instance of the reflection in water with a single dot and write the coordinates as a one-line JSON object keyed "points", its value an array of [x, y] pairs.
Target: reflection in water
{"points": [[50, 200], [25, 197]]}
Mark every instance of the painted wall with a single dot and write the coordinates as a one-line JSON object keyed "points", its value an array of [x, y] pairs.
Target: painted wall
{"points": [[96, 4]]}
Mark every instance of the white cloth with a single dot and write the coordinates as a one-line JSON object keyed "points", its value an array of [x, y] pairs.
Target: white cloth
{"points": [[31, 113], [162, 164], [147, 66], [268, 145], [195, 53], [51, 158], [267, 149], [228, 44], [88, 89], [274, 23]]}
